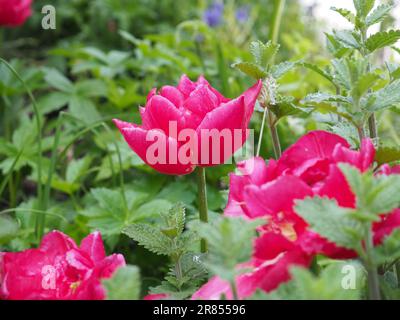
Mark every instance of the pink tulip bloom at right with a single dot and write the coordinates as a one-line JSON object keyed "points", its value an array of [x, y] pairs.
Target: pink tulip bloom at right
{"points": [[190, 125]]}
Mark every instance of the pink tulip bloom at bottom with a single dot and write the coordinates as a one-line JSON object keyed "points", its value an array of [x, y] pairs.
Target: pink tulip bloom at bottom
{"points": [[58, 270]]}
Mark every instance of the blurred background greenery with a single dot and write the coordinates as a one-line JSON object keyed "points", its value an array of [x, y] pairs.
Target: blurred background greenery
{"points": [[100, 63]]}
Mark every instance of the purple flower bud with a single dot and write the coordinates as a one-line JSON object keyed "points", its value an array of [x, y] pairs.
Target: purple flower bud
{"points": [[213, 16], [242, 14]]}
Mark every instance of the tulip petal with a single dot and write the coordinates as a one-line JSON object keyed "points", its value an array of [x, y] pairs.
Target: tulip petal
{"points": [[160, 113], [93, 246], [138, 140], [275, 196], [250, 98], [314, 145], [216, 124]]}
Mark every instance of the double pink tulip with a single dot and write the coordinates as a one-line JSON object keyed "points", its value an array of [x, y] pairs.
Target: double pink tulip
{"points": [[190, 109], [307, 168], [14, 13], [58, 270]]}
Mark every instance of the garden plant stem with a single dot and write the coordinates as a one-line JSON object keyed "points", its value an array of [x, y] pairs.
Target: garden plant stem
{"points": [[275, 28], [203, 208], [373, 281], [275, 137]]}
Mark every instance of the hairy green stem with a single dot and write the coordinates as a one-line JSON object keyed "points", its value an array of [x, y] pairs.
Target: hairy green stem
{"points": [[275, 137], [373, 130], [203, 208], [373, 280], [274, 35], [260, 137], [235, 295]]}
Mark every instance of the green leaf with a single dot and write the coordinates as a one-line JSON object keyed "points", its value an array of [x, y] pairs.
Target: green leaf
{"points": [[175, 218], [251, 69], [84, 109], [317, 69], [285, 107], [8, 228], [378, 15], [109, 200], [382, 39], [91, 88], [348, 38], [387, 97], [77, 168], [387, 154], [363, 84], [263, 53], [363, 7], [150, 237], [329, 285], [124, 284], [389, 250], [52, 102], [331, 221], [375, 194], [229, 241], [279, 70], [347, 14], [57, 80]]}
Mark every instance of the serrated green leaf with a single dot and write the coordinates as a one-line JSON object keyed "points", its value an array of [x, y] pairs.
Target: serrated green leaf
{"points": [[317, 69], [331, 221], [387, 97], [263, 53], [363, 84], [389, 250], [229, 241], [279, 70], [382, 39], [374, 194], [150, 237], [363, 7], [348, 38], [250, 69], [378, 15], [347, 14], [124, 284]]}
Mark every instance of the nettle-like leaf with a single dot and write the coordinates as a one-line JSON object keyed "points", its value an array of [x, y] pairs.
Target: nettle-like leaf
{"points": [[263, 53], [378, 14], [363, 84], [348, 38], [324, 102], [331, 221], [279, 70], [175, 221], [251, 69], [285, 106], [124, 284], [193, 274], [229, 242], [363, 7], [382, 39], [389, 250], [317, 69], [375, 194], [384, 98], [329, 285], [347, 14], [335, 47], [387, 154], [151, 238]]}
